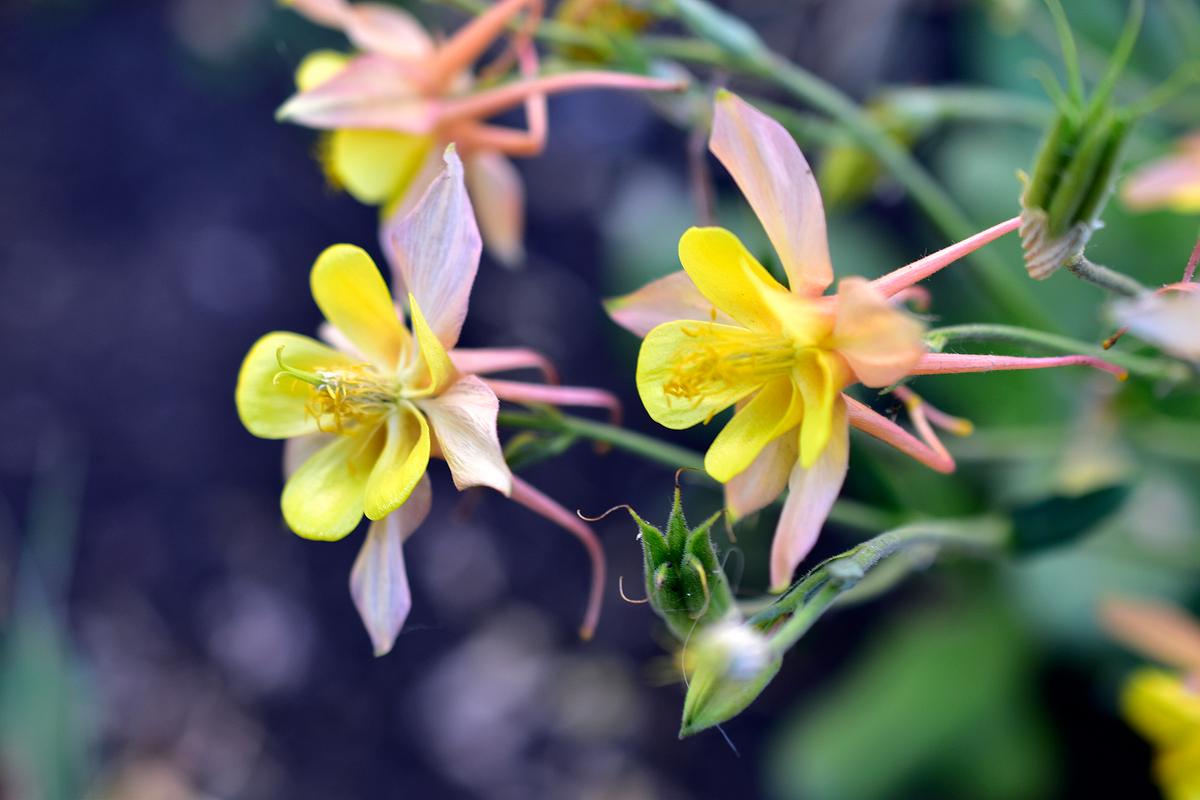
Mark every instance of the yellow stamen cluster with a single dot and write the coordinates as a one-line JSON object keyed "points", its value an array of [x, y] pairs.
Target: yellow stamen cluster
{"points": [[352, 397], [717, 361]]}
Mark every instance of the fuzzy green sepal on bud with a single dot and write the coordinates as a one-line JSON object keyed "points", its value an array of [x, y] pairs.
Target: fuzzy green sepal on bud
{"points": [[685, 583], [731, 665], [1079, 159]]}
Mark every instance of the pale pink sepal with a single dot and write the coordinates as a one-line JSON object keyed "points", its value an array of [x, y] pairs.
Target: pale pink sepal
{"points": [[584, 396], [957, 363], [666, 299], [811, 494], [371, 27], [779, 185], [463, 419], [904, 277], [764, 480], [488, 360], [932, 455], [499, 198], [371, 92], [539, 503], [434, 251], [1169, 321], [378, 580]]}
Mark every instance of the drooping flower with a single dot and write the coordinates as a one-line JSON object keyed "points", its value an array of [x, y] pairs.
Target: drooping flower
{"points": [[1171, 182], [1161, 705], [724, 332], [363, 417], [393, 106], [1168, 317]]}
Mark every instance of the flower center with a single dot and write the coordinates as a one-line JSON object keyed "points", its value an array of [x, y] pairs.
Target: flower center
{"points": [[346, 399], [718, 359]]}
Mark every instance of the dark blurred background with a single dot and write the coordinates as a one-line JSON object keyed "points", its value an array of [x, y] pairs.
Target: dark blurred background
{"points": [[164, 636]]}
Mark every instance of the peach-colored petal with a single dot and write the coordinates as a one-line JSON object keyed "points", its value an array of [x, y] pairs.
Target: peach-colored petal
{"points": [[764, 480], [880, 342], [669, 298], [371, 92], [434, 251], [379, 580], [463, 418], [779, 185], [372, 27], [499, 199], [811, 494]]}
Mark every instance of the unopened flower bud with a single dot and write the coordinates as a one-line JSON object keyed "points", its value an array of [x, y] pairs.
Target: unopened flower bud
{"points": [[684, 580], [732, 664]]}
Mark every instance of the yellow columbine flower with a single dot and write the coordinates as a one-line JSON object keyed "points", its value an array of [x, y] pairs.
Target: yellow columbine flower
{"points": [[724, 332], [391, 107], [363, 417]]}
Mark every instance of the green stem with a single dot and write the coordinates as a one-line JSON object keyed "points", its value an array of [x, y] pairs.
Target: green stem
{"points": [[1105, 277], [647, 447], [1150, 368], [968, 105], [813, 594], [847, 513]]}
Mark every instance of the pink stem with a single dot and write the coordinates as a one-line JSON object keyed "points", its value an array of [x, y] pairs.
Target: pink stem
{"points": [[539, 503], [955, 363], [956, 425], [492, 101], [1189, 272], [920, 270], [586, 396], [930, 452], [471, 40], [486, 360]]}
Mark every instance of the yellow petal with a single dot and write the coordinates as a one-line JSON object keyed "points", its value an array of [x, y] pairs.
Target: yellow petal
{"points": [[775, 409], [1160, 707], [352, 295], [318, 67], [376, 167], [880, 342], [1177, 770], [662, 351], [274, 405], [324, 498], [820, 380], [435, 362], [401, 464], [731, 278]]}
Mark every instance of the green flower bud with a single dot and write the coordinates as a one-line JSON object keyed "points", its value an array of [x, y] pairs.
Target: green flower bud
{"points": [[1077, 164], [684, 580], [732, 664]]}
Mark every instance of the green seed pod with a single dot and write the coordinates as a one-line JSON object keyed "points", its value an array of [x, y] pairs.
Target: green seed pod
{"points": [[685, 583]]}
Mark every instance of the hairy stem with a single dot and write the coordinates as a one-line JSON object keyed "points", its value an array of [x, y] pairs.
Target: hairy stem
{"points": [[813, 594], [1104, 277]]}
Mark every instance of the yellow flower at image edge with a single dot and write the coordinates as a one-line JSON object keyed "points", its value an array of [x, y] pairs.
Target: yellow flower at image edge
{"points": [[365, 406], [1164, 709]]}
